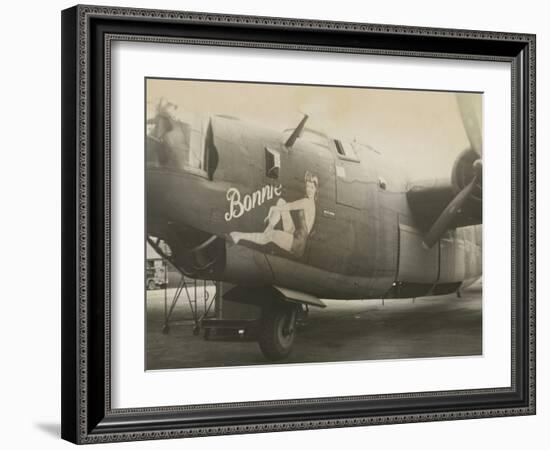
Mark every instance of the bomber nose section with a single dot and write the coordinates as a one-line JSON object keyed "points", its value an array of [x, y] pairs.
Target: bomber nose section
{"points": [[179, 198]]}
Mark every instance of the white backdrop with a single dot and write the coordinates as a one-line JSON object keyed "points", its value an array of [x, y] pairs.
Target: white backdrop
{"points": [[29, 334]]}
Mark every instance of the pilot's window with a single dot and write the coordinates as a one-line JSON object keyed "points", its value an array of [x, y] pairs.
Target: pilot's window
{"points": [[272, 163], [345, 150]]}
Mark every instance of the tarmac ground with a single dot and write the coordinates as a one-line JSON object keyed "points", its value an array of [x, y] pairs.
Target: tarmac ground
{"points": [[343, 331]]}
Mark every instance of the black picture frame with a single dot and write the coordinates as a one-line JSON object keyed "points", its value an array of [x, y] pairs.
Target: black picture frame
{"points": [[87, 33]]}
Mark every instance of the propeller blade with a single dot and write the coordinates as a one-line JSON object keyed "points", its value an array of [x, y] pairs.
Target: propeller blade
{"points": [[470, 111], [449, 213]]}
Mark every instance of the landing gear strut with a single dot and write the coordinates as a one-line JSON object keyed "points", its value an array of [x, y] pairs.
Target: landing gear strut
{"points": [[278, 330]]}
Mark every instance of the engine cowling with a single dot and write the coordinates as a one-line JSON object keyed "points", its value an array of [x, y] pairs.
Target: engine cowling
{"points": [[468, 166], [465, 206]]}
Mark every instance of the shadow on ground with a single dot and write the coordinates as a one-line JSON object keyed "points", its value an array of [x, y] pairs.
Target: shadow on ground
{"points": [[344, 331]]}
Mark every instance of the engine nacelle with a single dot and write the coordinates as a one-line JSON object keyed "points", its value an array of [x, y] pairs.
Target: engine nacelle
{"points": [[457, 201], [466, 166]]}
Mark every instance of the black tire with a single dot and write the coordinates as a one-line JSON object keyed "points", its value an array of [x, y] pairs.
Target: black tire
{"points": [[278, 330], [151, 285]]}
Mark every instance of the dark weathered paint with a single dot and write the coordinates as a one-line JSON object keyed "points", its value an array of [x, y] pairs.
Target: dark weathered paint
{"points": [[365, 241]]}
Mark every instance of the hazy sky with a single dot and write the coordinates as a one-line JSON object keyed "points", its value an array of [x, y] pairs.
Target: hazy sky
{"points": [[421, 129]]}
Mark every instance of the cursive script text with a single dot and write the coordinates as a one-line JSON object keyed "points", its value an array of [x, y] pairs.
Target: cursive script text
{"points": [[239, 204]]}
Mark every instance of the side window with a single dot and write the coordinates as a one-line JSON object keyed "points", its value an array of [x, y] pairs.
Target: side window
{"points": [[272, 163], [345, 150]]}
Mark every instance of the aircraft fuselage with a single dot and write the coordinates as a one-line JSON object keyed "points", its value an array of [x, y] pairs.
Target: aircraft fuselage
{"points": [[348, 232]]}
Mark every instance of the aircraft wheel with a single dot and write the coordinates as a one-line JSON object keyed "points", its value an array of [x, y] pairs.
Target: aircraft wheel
{"points": [[278, 329], [151, 285]]}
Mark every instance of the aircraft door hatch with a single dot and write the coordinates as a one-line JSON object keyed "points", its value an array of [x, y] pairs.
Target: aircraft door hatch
{"points": [[350, 190]]}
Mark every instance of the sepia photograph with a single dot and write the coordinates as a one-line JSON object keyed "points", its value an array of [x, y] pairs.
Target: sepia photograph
{"points": [[290, 223], [281, 223]]}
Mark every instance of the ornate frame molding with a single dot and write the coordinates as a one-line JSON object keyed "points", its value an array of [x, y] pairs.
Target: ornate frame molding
{"points": [[87, 422]]}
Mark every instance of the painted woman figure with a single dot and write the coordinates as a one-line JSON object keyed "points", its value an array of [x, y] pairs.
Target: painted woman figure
{"points": [[293, 236]]}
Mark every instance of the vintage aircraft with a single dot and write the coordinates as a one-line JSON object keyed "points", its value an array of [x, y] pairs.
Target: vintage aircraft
{"points": [[290, 217]]}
